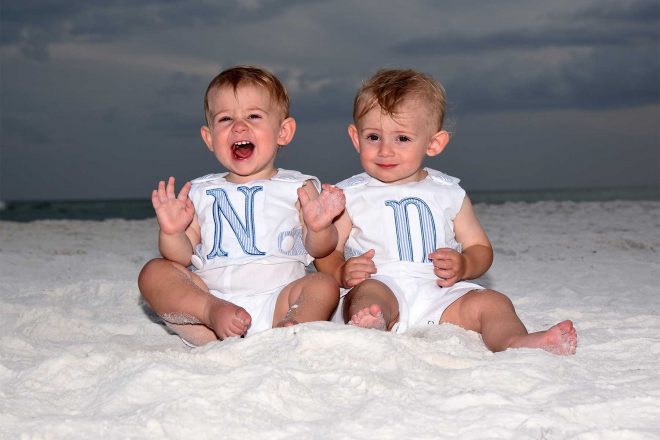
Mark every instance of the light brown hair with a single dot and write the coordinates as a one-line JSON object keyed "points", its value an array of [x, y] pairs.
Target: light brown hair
{"points": [[252, 75], [388, 88]]}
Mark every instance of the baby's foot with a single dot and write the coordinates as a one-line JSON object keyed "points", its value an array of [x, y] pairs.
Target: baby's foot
{"points": [[559, 339], [227, 319], [369, 317]]}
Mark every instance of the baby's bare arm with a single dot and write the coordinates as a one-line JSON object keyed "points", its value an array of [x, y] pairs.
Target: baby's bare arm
{"points": [[333, 264], [177, 247], [176, 218], [477, 255], [318, 213]]}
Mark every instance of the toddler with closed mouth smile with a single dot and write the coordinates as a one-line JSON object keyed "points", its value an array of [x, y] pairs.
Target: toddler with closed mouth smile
{"points": [[409, 239]]}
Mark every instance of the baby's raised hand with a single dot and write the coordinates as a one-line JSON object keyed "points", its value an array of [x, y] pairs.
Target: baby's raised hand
{"points": [[448, 265], [319, 213], [358, 269], [174, 213]]}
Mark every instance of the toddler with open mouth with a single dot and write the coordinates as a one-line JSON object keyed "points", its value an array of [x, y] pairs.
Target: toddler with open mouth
{"points": [[235, 244]]}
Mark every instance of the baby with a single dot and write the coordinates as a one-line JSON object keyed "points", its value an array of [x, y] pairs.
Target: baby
{"points": [[409, 237], [248, 233]]}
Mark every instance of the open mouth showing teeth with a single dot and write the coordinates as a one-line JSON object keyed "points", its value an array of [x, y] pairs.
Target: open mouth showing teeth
{"points": [[242, 150]]}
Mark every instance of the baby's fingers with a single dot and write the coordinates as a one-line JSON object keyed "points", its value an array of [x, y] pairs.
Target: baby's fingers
{"points": [[444, 273], [443, 264], [162, 192], [354, 280], [303, 196], [369, 254], [183, 194], [361, 264], [170, 188], [155, 202], [446, 282]]}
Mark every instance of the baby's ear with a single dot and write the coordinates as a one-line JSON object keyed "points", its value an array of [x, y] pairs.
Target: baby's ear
{"points": [[287, 130], [207, 136], [438, 143], [353, 134]]}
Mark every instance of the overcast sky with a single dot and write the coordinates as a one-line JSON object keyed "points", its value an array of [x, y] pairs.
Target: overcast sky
{"points": [[102, 98]]}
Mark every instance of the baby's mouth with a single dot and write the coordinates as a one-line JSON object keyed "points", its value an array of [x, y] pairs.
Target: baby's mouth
{"points": [[242, 150]]}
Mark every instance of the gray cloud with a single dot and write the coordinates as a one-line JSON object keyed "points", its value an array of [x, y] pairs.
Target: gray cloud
{"points": [[610, 24], [101, 98], [616, 11], [602, 79], [523, 39], [178, 106], [609, 59], [331, 102], [34, 25], [19, 130]]}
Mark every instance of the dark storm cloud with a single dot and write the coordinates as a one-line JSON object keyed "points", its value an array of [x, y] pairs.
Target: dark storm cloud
{"points": [[610, 61], [177, 108], [309, 103], [34, 25], [603, 79], [128, 111], [328, 103], [524, 39], [332, 101], [18, 130], [636, 11], [610, 24], [174, 123]]}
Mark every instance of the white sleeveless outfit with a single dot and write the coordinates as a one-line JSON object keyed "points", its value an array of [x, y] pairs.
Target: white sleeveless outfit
{"points": [[251, 240], [403, 224]]}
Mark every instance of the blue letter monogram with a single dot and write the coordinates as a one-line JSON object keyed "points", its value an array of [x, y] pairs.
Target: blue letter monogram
{"points": [[402, 224], [244, 231]]}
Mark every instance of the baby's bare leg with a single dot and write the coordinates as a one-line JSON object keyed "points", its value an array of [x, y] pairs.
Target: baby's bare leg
{"points": [[182, 299], [492, 314], [311, 298], [371, 304]]}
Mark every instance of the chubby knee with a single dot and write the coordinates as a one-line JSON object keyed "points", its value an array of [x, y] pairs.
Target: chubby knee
{"points": [[157, 265], [494, 298], [152, 274], [369, 285], [147, 271], [468, 310], [151, 270], [325, 282], [322, 278], [371, 290]]}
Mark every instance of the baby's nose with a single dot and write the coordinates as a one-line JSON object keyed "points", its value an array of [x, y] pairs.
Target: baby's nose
{"points": [[239, 126], [385, 149]]}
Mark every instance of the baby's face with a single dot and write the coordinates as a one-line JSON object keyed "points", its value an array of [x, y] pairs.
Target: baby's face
{"points": [[245, 131], [392, 149]]}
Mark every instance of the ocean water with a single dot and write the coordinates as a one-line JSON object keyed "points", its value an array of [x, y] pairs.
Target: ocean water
{"points": [[142, 209]]}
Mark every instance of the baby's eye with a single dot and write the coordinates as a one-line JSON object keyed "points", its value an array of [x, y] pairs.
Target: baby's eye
{"points": [[373, 137], [254, 116], [224, 119], [403, 138]]}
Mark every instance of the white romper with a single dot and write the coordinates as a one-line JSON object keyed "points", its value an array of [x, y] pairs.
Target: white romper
{"points": [[251, 240], [403, 224]]}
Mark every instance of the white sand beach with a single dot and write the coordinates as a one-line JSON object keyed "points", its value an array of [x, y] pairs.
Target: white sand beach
{"points": [[82, 358]]}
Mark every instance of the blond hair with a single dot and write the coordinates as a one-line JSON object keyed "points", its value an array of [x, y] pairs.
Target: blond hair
{"points": [[252, 75], [388, 88]]}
